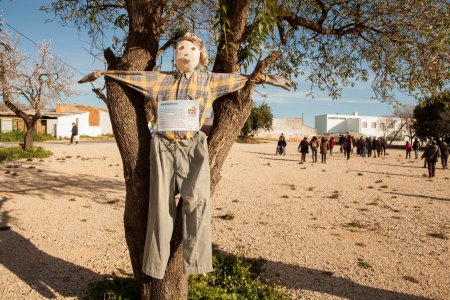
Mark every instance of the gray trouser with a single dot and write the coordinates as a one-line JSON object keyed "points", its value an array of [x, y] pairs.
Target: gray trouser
{"points": [[179, 167]]}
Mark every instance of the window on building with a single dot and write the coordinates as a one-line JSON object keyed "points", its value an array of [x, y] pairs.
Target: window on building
{"points": [[373, 125], [391, 125], [364, 124]]}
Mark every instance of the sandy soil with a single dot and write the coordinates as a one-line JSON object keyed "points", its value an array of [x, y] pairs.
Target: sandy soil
{"points": [[356, 229]]}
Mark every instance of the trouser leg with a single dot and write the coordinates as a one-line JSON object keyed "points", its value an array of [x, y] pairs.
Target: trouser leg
{"points": [[433, 168], [195, 190], [162, 209], [430, 169]]}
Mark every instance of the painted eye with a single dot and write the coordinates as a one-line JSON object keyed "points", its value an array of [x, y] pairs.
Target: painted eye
{"points": [[193, 48], [181, 48]]}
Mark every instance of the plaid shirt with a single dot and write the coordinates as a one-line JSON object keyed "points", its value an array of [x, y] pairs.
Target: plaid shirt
{"points": [[204, 87]]}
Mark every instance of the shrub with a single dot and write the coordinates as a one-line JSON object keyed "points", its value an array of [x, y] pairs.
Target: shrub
{"points": [[15, 153], [15, 136], [233, 278]]}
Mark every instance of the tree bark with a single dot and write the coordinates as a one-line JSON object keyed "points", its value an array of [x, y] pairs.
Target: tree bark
{"points": [[28, 139]]}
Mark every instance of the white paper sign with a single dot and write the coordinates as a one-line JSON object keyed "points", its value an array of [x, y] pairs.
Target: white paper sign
{"points": [[178, 115]]}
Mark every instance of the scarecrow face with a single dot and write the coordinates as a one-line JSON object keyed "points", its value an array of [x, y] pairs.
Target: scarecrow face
{"points": [[187, 56]]}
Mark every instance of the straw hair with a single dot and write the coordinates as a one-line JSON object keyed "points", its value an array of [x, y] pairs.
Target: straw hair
{"points": [[191, 37]]}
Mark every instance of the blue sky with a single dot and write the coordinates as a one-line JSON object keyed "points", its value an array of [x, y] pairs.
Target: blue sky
{"points": [[68, 43]]}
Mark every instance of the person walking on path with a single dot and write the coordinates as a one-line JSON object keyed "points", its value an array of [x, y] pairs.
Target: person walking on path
{"points": [[431, 155], [444, 155], [314, 148], [369, 147], [416, 147], [348, 146], [281, 145], [383, 146], [74, 133], [408, 148], [364, 147], [332, 143], [304, 149], [324, 149]]}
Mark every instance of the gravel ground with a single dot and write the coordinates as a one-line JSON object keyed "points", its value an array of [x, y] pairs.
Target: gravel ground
{"points": [[348, 229]]}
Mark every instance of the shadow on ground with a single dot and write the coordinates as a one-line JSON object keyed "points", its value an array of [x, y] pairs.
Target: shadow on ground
{"points": [[301, 278], [419, 196], [48, 275], [36, 182]]}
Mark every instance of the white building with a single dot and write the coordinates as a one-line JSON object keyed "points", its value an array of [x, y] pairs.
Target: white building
{"points": [[365, 125]]}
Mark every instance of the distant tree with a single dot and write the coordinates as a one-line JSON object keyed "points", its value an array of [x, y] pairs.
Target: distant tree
{"points": [[260, 118], [432, 117], [406, 115], [31, 83]]}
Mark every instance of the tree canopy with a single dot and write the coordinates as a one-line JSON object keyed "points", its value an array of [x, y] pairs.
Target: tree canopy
{"points": [[261, 117], [432, 118]]}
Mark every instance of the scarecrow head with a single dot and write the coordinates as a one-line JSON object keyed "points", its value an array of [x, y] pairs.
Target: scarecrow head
{"points": [[190, 53]]}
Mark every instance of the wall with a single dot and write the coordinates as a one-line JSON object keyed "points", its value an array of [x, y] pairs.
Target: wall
{"points": [[105, 123], [64, 125], [292, 128], [353, 124], [321, 123]]}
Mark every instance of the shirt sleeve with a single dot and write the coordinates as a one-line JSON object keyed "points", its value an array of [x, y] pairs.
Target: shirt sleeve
{"points": [[141, 81], [225, 83]]}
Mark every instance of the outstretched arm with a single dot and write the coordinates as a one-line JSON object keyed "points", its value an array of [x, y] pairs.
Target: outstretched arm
{"points": [[276, 80]]}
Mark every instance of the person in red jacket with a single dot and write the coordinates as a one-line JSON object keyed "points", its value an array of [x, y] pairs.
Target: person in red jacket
{"points": [[408, 148]]}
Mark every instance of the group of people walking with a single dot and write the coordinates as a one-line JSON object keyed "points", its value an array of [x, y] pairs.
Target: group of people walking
{"points": [[367, 146]]}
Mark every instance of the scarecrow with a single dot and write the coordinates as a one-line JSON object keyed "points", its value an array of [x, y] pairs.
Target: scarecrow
{"points": [[179, 160]]}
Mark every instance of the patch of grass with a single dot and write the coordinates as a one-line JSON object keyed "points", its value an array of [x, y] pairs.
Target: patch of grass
{"points": [[311, 188], [324, 170], [438, 235], [364, 264], [15, 153], [379, 181], [112, 201], [72, 199], [360, 174], [335, 195], [113, 288], [411, 279], [384, 186], [363, 209], [285, 196], [227, 217], [235, 200], [373, 203], [292, 187], [233, 278], [355, 224], [68, 156], [370, 187]]}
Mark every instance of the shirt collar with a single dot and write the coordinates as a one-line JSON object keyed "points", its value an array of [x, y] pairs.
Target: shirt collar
{"points": [[186, 75]]}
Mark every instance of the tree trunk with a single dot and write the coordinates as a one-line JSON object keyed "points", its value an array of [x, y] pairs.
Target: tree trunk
{"points": [[130, 126], [28, 139]]}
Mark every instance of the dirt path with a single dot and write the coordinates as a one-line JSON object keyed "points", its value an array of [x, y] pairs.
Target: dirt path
{"points": [[356, 229]]}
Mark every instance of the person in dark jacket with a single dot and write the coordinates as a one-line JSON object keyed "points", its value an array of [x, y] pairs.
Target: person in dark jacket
{"points": [[444, 155], [431, 155], [74, 133], [281, 145], [315, 144], [348, 146], [324, 146], [304, 149], [416, 147]]}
